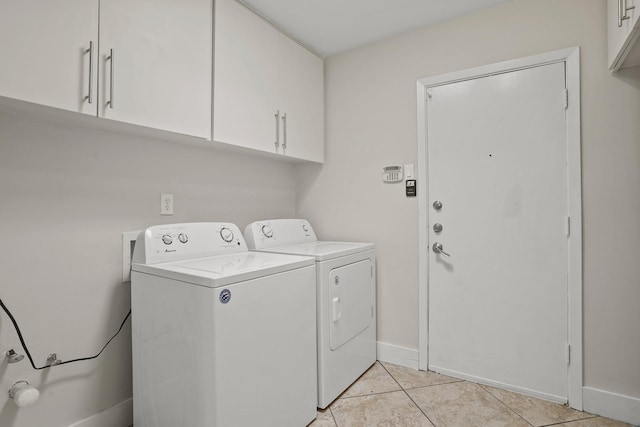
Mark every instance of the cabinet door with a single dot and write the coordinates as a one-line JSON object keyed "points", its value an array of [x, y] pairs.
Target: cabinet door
{"points": [[245, 78], [621, 33], [44, 49], [155, 64], [301, 97]]}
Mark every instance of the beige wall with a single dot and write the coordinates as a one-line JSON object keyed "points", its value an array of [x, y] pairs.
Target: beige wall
{"points": [[66, 194], [371, 122]]}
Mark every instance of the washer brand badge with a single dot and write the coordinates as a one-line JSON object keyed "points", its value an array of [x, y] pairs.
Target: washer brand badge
{"points": [[225, 296], [169, 250]]}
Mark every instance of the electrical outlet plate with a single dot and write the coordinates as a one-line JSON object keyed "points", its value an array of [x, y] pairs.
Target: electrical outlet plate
{"points": [[128, 243], [166, 204]]}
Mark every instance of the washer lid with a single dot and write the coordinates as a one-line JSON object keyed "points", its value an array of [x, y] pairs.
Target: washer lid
{"points": [[322, 251], [222, 270]]}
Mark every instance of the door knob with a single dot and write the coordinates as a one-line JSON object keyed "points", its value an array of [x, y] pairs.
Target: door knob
{"points": [[437, 248]]}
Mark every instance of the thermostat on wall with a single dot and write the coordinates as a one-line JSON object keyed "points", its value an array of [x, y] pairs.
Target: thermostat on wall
{"points": [[392, 173]]}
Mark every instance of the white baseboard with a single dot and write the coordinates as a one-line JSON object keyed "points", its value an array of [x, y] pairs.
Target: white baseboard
{"points": [[498, 384], [117, 415], [611, 405], [397, 355]]}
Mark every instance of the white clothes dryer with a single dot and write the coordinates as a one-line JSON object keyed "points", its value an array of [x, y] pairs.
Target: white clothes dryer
{"points": [[346, 298], [221, 336]]}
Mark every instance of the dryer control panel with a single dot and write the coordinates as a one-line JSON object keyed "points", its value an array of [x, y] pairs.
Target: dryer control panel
{"points": [[175, 242], [277, 232]]}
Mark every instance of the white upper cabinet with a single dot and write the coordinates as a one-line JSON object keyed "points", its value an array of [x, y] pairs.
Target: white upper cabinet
{"points": [[44, 52], [302, 100], [623, 32], [163, 64], [245, 78], [268, 89], [155, 64], [159, 76]]}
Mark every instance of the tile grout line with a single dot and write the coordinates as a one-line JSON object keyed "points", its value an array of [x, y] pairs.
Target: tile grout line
{"points": [[572, 421], [504, 404], [434, 385], [587, 416], [335, 422], [407, 394]]}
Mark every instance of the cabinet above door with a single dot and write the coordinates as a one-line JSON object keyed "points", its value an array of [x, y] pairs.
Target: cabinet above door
{"points": [[623, 26]]}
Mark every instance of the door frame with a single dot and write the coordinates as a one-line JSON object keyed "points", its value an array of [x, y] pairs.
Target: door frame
{"points": [[571, 58]]}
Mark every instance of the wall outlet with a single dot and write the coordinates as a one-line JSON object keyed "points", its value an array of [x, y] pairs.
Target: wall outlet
{"points": [[128, 243], [166, 204]]}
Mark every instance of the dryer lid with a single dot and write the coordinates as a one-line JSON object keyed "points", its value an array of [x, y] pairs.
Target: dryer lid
{"points": [[322, 250]]}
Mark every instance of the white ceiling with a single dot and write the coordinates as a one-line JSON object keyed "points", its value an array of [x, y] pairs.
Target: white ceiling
{"points": [[332, 26]]}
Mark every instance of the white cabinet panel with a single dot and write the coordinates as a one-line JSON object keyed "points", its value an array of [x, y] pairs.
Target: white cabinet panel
{"points": [[245, 78], [44, 52], [623, 23], [302, 99], [161, 64], [268, 89], [152, 64]]}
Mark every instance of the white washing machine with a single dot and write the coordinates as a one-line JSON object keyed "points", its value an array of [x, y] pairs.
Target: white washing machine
{"points": [[221, 336], [346, 297]]}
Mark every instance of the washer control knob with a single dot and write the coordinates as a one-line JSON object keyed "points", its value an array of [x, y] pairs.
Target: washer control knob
{"points": [[183, 238], [226, 234], [167, 239], [267, 231]]}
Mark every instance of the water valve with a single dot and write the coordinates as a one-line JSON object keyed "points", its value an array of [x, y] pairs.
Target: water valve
{"points": [[13, 357], [53, 360]]}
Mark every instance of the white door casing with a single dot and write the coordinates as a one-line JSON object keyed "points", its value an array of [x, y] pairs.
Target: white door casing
{"points": [[476, 306]]}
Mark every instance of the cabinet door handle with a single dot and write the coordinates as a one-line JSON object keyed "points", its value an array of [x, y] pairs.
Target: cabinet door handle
{"points": [[111, 67], [277, 143], [284, 132], [622, 11], [89, 97], [620, 6], [627, 9]]}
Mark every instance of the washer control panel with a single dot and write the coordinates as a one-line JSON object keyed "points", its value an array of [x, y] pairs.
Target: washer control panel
{"points": [[174, 242], [278, 232]]}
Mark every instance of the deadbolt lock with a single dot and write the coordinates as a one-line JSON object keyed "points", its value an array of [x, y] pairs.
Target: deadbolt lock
{"points": [[437, 227], [437, 205]]}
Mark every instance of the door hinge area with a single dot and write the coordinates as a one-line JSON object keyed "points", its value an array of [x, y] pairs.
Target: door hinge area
{"points": [[568, 230], [566, 98], [568, 354]]}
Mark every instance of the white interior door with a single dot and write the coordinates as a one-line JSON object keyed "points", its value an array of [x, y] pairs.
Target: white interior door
{"points": [[497, 162]]}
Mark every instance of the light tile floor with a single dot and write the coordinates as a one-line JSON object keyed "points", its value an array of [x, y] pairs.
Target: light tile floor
{"points": [[393, 396]]}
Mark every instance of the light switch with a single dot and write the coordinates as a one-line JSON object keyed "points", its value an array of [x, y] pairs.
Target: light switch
{"points": [[408, 171]]}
